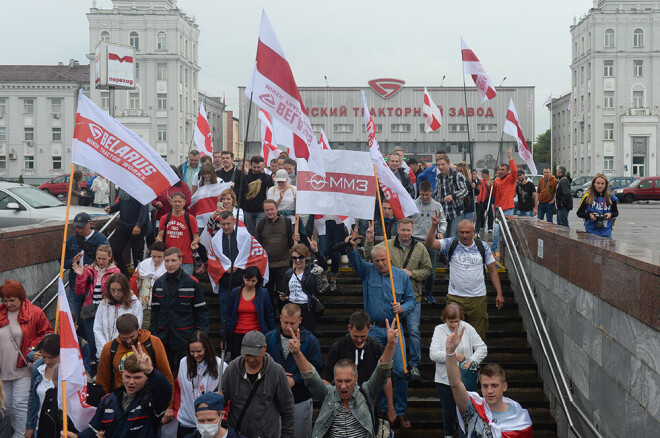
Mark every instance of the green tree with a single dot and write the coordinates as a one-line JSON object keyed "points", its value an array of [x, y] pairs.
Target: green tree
{"points": [[20, 178], [542, 148]]}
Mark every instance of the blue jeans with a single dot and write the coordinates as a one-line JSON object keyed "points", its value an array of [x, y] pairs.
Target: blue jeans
{"points": [[562, 216], [334, 234], [75, 302], [415, 345], [429, 282], [399, 381], [546, 210], [525, 213], [452, 226], [468, 215], [252, 219], [222, 297], [87, 326], [496, 232], [187, 268], [448, 409]]}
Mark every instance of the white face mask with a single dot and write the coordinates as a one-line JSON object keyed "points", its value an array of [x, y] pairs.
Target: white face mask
{"points": [[208, 430]]}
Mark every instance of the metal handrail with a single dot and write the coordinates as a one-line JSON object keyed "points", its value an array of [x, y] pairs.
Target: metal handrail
{"points": [[52, 282], [541, 330]]}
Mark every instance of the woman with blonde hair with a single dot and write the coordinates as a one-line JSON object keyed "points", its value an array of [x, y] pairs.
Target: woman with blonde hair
{"points": [[598, 207]]}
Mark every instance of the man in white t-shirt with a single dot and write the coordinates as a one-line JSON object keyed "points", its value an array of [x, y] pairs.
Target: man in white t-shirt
{"points": [[467, 285]]}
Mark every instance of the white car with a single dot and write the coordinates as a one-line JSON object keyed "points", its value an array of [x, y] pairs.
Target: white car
{"points": [[22, 204]]}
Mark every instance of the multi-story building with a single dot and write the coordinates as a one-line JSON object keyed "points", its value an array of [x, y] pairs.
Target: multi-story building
{"points": [[561, 131], [616, 99], [399, 120], [37, 118]]}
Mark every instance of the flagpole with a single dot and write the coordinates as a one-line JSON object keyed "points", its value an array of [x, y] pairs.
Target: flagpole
{"points": [[389, 266], [467, 119], [551, 156]]}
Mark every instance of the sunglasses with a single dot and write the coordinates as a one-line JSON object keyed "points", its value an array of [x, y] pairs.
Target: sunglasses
{"points": [[301, 257]]}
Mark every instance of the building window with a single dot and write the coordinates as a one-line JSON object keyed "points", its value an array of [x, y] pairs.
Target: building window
{"points": [[162, 132], [137, 70], [105, 100], [28, 134], [638, 97], [57, 134], [186, 80], [582, 74], [486, 127], [3, 161], [134, 40], [57, 163], [378, 126], [134, 100], [608, 131], [609, 38], [181, 74], [56, 106], [400, 127], [161, 71], [317, 128], [3, 133], [28, 106], [608, 162], [162, 101], [608, 68], [185, 48], [458, 127], [342, 128], [3, 107], [609, 99], [638, 65], [105, 36], [29, 161], [638, 38], [161, 43]]}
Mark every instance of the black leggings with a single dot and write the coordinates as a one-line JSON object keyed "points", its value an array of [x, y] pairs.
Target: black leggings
{"points": [[235, 344]]}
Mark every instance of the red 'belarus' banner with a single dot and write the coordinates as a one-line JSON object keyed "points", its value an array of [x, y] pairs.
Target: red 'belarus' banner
{"points": [[472, 66], [512, 127], [432, 115], [400, 201], [269, 147], [518, 425], [202, 135], [102, 144], [250, 253], [72, 369], [273, 86]]}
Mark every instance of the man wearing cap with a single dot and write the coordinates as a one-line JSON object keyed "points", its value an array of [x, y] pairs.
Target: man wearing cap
{"points": [[258, 389], [85, 239], [209, 411]]}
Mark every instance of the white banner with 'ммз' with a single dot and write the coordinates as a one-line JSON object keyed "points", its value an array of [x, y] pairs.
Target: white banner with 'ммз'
{"points": [[347, 189]]}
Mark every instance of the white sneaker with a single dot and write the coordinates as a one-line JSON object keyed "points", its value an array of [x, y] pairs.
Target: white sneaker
{"points": [[344, 259]]}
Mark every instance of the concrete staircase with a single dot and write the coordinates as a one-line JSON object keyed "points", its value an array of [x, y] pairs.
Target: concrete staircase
{"points": [[506, 340]]}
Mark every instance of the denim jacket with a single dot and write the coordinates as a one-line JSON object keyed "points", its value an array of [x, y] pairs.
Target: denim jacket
{"points": [[357, 404], [33, 398]]}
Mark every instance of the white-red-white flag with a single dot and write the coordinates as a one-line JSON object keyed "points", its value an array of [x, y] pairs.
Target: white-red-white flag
{"points": [[273, 86], [324, 143], [432, 115], [269, 147], [72, 369], [518, 425], [512, 127], [319, 222], [409, 171], [205, 201], [102, 144], [202, 135], [472, 66], [400, 201], [548, 100], [250, 253], [530, 101]]}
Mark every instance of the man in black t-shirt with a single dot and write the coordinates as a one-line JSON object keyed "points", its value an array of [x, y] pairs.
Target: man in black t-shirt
{"points": [[358, 346], [528, 198]]}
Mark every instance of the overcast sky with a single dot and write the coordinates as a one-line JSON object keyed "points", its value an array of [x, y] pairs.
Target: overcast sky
{"points": [[349, 41]]}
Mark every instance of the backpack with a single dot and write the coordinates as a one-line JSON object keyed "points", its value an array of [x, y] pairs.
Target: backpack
{"points": [[113, 352], [186, 216], [480, 247]]}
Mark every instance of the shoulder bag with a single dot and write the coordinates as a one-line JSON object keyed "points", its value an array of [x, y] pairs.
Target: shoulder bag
{"points": [[469, 375], [382, 428], [28, 364], [315, 304]]}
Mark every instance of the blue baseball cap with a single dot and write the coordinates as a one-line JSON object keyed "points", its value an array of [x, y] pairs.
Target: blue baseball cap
{"points": [[213, 401]]}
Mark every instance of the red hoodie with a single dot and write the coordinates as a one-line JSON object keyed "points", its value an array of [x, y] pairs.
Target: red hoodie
{"points": [[34, 325], [504, 189]]}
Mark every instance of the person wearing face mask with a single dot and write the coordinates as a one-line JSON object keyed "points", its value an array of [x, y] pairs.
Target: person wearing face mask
{"points": [[118, 299], [472, 349], [209, 415], [199, 373]]}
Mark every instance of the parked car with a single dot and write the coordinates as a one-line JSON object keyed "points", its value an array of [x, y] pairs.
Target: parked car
{"points": [[59, 186], [22, 204], [578, 185], [641, 189], [619, 182]]}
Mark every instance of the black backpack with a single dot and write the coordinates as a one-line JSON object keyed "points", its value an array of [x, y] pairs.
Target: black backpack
{"points": [[113, 352], [186, 216], [480, 247]]}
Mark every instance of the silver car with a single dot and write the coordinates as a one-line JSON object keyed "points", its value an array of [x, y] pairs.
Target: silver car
{"points": [[22, 204]]}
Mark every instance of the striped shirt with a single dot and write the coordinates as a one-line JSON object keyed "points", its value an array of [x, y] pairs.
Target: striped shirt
{"points": [[453, 184], [345, 425]]}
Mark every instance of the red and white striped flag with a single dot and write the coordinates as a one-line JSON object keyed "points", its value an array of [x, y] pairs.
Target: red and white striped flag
{"points": [[268, 142], [273, 86], [102, 144], [432, 116], [324, 143], [530, 101], [548, 100], [512, 127], [250, 253], [72, 369], [400, 201], [202, 135], [518, 425], [205, 201], [472, 66]]}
